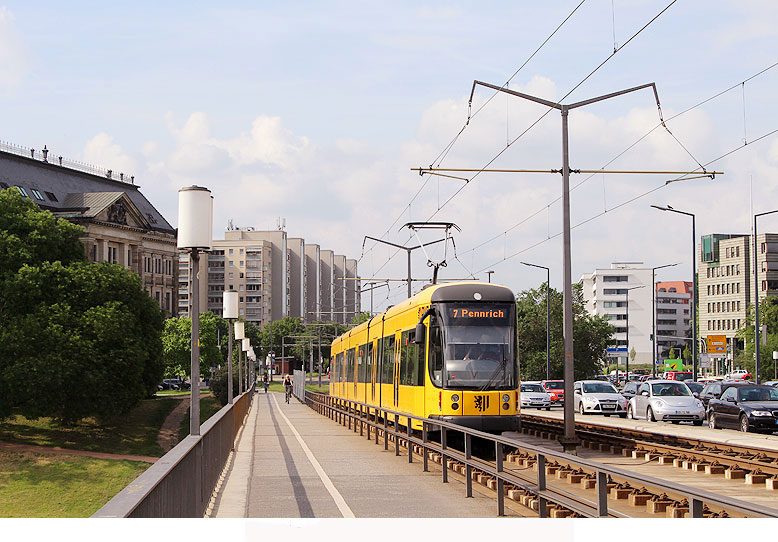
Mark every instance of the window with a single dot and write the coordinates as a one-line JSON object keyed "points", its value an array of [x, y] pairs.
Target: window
{"points": [[708, 273], [232, 276], [241, 251], [615, 278], [241, 275], [435, 353], [730, 392], [387, 365], [37, 194], [22, 191], [708, 289], [617, 291], [231, 251], [241, 263], [3, 186], [411, 360]]}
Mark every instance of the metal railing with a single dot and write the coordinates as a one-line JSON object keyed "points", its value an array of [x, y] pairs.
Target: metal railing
{"points": [[363, 417], [180, 483]]}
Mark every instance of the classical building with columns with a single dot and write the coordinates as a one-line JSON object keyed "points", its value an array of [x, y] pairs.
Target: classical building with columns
{"points": [[121, 225]]}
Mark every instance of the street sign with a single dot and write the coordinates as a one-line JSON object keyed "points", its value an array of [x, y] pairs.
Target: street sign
{"points": [[705, 361], [717, 344], [673, 365]]}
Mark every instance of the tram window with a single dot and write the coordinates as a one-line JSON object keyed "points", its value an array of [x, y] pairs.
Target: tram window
{"points": [[435, 354], [369, 362], [387, 367], [410, 369], [350, 354], [363, 361]]}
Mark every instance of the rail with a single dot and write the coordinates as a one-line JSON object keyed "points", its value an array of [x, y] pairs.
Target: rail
{"points": [[180, 483], [355, 413]]}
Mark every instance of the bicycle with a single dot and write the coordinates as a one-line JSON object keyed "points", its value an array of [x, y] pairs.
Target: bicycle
{"points": [[288, 393]]}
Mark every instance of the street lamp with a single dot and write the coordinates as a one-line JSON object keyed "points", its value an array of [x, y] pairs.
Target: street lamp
{"points": [[195, 219], [694, 284], [626, 292], [653, 315], [240, 334], [548, 317], [756, 296], [230, 313], [246, 347]]}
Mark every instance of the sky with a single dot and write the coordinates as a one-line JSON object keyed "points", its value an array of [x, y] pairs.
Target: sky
{"points": [[316, 112]]}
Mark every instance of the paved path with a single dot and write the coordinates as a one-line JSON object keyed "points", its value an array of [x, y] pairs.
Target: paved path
{"points": [[291, 462], [9, 446]]}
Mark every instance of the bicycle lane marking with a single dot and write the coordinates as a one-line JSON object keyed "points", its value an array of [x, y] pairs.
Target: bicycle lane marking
{"points": [[333, 491]]}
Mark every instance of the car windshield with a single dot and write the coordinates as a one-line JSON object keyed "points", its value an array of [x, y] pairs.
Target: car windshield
{"points": [[598, 387], [694, 386], [758, 393], [532, 388], [670, 389], [554, 384]]}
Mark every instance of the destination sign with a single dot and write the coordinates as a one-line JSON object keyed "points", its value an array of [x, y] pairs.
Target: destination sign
{"points": [[459, 314]]}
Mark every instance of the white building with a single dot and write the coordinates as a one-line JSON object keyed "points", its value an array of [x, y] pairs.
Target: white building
{"points": [[623, 295]]}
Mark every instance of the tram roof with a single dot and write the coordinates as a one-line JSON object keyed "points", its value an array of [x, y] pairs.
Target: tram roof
{"points": [[464, 291]]}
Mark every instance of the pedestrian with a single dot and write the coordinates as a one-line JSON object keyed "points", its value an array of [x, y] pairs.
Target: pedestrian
{"points": [[288, 387], [264, 382]]}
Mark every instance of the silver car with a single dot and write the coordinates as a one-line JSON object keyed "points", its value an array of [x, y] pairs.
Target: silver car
{"points": [[598, 397], [666, 400], [533, 395]]}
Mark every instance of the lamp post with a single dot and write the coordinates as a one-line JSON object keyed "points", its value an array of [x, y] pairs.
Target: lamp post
{"points": [[240, 334], [195, 219], [626, 370], [548, 317], [230, 313], [775, 371], [756, 296], [246, 347], [653, 315], [694, 284]]}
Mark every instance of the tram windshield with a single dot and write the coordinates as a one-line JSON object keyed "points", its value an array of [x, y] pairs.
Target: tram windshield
{"points": [[478, 346]]}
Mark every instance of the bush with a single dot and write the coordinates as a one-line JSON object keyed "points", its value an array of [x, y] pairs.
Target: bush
{"points": [[218, 384]]}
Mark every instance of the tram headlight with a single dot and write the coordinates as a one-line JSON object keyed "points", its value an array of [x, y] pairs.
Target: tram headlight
{"points": [[455, 398], [506, 398], [455, 406]]}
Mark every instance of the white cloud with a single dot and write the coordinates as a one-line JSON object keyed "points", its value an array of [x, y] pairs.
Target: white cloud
{"points": [[14, 57], [103, 152]]}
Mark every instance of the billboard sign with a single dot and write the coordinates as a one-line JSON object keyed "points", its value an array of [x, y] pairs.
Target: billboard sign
{"points": [[717, 344]]}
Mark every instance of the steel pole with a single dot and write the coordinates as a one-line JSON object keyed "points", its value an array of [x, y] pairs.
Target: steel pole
{"points": [[318, 329], [569, 443], [626, 365], [756, 304], [695, 347], [409, 273], [653, 322], [194, 408], [548, 324], [230, 391]]}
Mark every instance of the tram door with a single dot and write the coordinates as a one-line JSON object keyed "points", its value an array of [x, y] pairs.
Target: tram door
{"points": [[396, 378], [372, 349]]}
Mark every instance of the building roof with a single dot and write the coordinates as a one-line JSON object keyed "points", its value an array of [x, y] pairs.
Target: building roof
{"points": [[681, 286], [62, 189]]}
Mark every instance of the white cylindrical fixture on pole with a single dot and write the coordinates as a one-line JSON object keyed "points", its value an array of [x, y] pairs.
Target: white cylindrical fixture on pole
{"points": [[230, 305], [195, 215], [240, 332], [246, 344]]}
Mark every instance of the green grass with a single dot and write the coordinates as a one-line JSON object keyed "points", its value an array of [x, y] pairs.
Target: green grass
{"points": [[173, 393], [42, 485], [209, 406], [134, 434], [316, 388]]}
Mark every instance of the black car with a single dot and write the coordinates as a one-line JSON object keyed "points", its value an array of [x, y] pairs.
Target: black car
{"points": [[713, 390], [630, 389], [694, 387], [748, 407]]}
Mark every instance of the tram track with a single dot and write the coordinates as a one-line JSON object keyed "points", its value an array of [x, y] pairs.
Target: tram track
{"points": [[570, 487], [756, 466]]}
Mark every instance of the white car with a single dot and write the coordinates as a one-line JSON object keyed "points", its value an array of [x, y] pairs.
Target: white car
{"points": [[739, 374], [666, 400], [534, 396], [598, 397]]}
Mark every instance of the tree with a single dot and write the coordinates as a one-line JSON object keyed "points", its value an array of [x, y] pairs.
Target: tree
{"points": [[76, 341], [768, 317], [591, 335], [687, 354], [177, 345], [672, 355], [633, 354], [30, 236]]}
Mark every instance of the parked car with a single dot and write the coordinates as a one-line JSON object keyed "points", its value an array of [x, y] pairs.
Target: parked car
{"points": [[644, 378], [170, 384], [773, 383], [739, 374], [679, 375], [666, 400], [748, 407], [630, 389], [534, 396], [596, 397], [556, 389], [641, 371]]}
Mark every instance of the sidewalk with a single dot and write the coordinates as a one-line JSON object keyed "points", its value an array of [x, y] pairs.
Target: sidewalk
{"points": [[291, 462]]}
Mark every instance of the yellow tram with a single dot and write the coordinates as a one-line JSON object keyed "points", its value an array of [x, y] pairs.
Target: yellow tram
{"points": [[449, 352]]}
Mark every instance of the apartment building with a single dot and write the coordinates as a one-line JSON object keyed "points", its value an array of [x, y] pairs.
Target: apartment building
{"points": [[673, 318], [121, 225], [313, 281], [298, 288], [327, 284]]}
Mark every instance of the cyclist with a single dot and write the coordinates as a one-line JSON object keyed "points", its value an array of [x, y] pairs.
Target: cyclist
{"points": [[288, 387], [264, 382]]}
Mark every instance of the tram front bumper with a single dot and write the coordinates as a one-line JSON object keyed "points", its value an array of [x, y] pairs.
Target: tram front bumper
{"points": [[487, 424]]}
